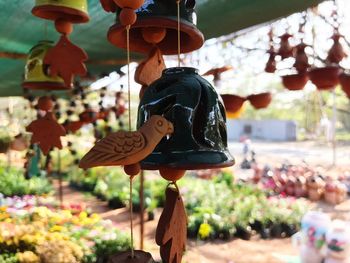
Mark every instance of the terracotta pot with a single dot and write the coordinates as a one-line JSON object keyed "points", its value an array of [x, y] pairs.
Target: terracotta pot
{"points": [[344, 80], [19, 143], [260, 101], [233, 103], [325, 78], [295, 81]]}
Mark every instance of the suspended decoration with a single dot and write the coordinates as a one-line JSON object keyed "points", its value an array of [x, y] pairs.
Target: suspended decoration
{"points": [[336, 54], [155, 19], [36, 75], [181, 119], [193, 106], [301, 63], [65, 59], [344, 80], [233, 103], [271, 63], [295, 81], [285, 50], [261, 100], [216, 72], [325, 78], [46, 130]]}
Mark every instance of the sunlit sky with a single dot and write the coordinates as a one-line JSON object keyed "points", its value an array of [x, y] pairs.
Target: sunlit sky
{"points": [[248, 74]]}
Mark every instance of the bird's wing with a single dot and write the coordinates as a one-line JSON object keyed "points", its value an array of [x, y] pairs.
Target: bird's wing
{"points": [[112, 149]]}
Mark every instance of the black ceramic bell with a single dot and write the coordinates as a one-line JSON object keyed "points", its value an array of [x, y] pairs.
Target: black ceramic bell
{"points": [[197, 112], [161, 14]]}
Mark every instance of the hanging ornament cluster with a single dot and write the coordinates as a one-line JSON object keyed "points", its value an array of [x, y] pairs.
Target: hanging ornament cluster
{"points": [[181, 118], [64, 60], [326, 77]]}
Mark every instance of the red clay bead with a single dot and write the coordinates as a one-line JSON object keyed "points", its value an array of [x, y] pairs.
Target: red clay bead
{"points": [[133, 169], [153, 35], [127, 17], [45, 103], [63, 26], [171, 174], [132, 4]]}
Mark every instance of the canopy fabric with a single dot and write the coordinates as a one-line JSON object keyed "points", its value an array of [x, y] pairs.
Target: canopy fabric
{"points": [[20, 30]]}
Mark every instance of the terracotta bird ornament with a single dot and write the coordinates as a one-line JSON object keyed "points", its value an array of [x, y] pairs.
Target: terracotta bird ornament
{"points": [[128, 148]]}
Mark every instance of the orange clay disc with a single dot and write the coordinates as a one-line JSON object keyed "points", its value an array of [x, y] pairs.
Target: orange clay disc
{"points": [[127, 16], [63, 26], [153, 35], [171, 174], [132, 4], [45, 103], [133, 169]]}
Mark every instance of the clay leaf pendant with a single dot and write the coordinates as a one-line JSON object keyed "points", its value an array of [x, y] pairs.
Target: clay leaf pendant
{"points": [[150, 69], [171, 233], [66, 60], [47, 132]]}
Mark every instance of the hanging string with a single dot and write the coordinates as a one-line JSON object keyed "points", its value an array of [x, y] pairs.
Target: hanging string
{"points": [[128, 60], [131, 177], [178, 33]]}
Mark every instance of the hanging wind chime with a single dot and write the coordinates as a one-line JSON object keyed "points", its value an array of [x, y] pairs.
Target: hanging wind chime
{"points": [[181, 118], [51, 67]]}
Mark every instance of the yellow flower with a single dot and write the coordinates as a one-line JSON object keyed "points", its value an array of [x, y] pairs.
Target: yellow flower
{"points": [[57, 228], [204, 230], [28, 257]]}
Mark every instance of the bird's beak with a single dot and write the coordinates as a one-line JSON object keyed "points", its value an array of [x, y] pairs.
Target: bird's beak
{"points": [[170, 128]]}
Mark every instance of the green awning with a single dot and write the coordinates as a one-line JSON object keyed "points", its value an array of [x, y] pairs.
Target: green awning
{"points": [[20, 30]]}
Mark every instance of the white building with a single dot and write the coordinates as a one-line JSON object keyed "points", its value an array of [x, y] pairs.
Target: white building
{"points": [[271, 130]]}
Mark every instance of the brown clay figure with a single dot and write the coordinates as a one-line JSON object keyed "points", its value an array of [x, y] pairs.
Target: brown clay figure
{"points": [[150, 69], [66, 60], [285, 50], [128, 148], [47, 132], [171, 234], [336, 53]]}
